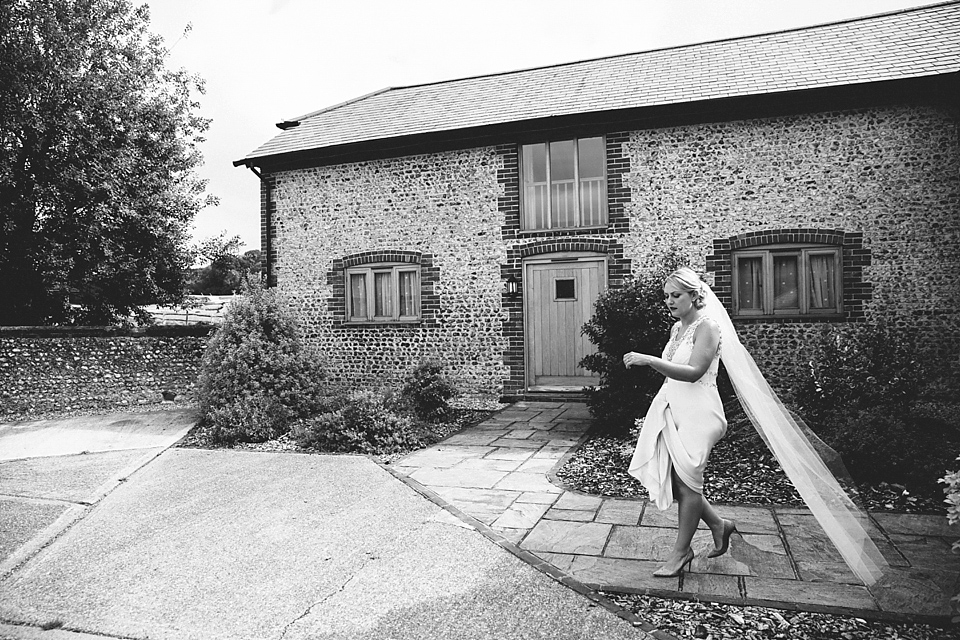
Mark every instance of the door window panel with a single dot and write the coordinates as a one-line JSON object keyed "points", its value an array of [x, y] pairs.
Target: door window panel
{"points": [[566, 289]]}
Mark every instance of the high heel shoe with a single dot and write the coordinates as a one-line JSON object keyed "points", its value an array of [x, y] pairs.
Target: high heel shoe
{"points": [[729, 528], [663, 573]]}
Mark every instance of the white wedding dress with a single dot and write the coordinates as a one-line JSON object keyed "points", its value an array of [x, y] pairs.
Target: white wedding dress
{"points": [[684, 422]]}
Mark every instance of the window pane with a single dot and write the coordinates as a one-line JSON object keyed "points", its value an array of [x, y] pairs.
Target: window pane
{"points": [[566, 289], [786, 285], [535, 203], [591, 181], [561, 160], [535, 163], [563, 193], [591, 158], [358, 295], [382, 295], [750, 283], [823, 282], [406, 279]]}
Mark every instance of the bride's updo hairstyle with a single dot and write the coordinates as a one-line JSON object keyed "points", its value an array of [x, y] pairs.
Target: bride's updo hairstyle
{"points": [[689, 281]]}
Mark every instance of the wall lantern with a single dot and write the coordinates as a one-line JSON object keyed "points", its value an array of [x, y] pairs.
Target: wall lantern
{"points": [[512, 286]]}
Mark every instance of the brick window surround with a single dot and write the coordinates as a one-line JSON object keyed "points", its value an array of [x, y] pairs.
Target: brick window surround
{"points": [[429, 276], [856, 292], [524, 244]]}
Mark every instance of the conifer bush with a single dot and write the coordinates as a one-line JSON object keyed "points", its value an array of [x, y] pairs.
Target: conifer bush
{"points": [[256, 377]]}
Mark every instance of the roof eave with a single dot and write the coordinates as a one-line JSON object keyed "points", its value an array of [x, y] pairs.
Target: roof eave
{"points": [[924, 88]]}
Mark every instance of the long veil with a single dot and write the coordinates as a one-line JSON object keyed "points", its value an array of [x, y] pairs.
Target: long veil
{"points": [[792, 442]]}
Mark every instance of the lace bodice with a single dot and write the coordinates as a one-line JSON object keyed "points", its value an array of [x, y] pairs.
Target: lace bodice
{"points": [[680, 348]]}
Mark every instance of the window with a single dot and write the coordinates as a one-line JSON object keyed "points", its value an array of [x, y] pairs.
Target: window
{"points": [[383, 293], [566, 289], [787, 280], [564, 184]]}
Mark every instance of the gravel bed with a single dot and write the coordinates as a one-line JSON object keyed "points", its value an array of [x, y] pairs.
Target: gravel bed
{"points": [[741, 471], [686, 619]]}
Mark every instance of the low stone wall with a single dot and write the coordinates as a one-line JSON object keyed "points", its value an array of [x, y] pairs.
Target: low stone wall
{"points": [[63, 369]]}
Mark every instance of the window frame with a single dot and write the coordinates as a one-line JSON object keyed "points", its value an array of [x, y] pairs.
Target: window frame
{"points": [[803, 252], [369, 272], [525, 211]]}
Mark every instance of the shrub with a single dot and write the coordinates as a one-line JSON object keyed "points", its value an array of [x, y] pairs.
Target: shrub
{"points": [[859, 366], [364, 422], [885, 444], [632, 318], [864, 395], [952, 490], [255, 376], [427, 392]]}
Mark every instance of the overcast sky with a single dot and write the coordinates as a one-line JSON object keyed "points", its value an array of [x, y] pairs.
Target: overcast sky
{"points": [[267, 60]]}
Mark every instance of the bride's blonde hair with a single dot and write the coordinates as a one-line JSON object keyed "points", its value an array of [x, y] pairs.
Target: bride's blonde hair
{"points": [[687, 279]]}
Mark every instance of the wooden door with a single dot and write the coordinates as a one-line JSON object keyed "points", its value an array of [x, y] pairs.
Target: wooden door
{"points": [[559, 299]]}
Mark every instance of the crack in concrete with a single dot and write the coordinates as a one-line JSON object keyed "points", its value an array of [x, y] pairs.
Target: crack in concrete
{"points": [[372, 556], [340, 589]]}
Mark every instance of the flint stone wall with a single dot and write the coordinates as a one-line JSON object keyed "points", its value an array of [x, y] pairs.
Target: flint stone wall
{"points": [[891, 174], [442, 206], [52, 370]]}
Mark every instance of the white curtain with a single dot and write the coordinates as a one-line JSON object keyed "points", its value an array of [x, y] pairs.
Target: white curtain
{"points": [[823, 282]]}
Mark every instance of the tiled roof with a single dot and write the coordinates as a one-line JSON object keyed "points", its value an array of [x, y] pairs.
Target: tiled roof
{"points": [[906, 44]]}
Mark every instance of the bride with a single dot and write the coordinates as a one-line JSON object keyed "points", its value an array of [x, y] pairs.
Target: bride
{"points": [[685, 421]]}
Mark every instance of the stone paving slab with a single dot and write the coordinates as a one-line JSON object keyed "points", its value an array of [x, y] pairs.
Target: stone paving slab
{"points": [[824, 595], [452, 477], [626, 512], [915, 524], [561, 536], [724, 587], [779, 557]]}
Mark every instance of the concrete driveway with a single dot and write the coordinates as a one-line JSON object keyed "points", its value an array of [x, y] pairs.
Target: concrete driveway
{"points": [[137, 540]]}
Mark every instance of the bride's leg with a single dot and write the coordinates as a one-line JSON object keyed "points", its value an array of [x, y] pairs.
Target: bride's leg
{"points": [[690, 507], [712, 520]]}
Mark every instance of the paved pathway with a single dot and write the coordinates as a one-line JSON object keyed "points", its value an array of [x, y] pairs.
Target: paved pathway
{"points": [[498, 476]]}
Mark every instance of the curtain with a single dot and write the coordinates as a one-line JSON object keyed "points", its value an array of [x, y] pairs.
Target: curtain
{"points": [[382, 297], [750, 283], [823, 282], [406, 293], [358, 295]]}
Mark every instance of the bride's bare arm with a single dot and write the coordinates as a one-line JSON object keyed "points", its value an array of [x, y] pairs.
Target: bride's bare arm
{"points": [[705, 343]]}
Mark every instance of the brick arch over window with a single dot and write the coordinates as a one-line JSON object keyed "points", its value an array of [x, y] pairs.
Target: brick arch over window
{"points": [[367, 257], [429, 276], [856, 292]]}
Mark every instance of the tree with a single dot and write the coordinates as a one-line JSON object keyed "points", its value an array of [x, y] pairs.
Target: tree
{"points": [[228, 271], [98, 146]]}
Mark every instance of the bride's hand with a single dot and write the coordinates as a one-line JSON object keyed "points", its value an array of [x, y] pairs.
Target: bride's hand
{"points": [[634, 359]]}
